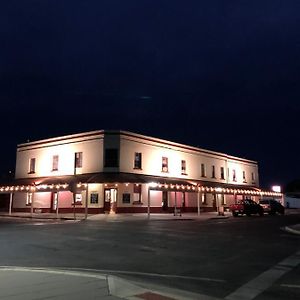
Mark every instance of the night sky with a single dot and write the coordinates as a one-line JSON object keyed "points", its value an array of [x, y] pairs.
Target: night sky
{"points": [[221, 75]]}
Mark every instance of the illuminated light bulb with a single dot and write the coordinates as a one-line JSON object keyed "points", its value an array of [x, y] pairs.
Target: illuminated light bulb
{"points": [[57, 186], [27, 188], [188, 187], [116, 184], [12, 188], [105, 184], [166, 186], [159, 185], [126, 184], [65, 186]]}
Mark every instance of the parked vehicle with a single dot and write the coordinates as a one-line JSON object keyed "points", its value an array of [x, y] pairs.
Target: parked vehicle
{"points": [[271, 206], [247, 207]]}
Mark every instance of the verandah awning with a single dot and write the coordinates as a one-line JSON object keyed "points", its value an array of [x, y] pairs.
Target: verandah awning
{"points": [[156, 183]]}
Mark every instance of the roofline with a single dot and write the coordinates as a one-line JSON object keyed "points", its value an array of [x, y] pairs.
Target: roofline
{"points": [[136, 135]]}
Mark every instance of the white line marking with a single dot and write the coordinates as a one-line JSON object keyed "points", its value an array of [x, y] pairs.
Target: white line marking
{"points": [[82, 272], [297, 286], [262, 282], [52, 271], [149, 274]]}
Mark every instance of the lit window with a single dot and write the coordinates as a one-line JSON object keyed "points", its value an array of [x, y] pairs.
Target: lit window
{"points": [[137, 193], [203, 171], [78, 199], [213, 172], [137, 160], [55, 163], [28, 198], [222, 173], [164, 167], [78, 160], [32, 165], [183, 167], [233, 175], [204, 199]]}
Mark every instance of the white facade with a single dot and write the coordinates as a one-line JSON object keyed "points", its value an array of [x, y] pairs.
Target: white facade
{"points": [[134, 160]]}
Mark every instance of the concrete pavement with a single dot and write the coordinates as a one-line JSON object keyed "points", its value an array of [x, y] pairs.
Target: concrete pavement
{"points": [[19, 283]]}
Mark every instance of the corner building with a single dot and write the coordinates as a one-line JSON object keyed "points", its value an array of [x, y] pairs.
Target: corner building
{"points": [[123, 172]]}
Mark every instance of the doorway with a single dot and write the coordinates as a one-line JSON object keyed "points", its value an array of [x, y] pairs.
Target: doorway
{"points": [[110, 200], [165, 201], [54, 201]]}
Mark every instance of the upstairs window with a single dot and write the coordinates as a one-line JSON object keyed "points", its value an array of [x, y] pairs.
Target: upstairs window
{"points": [[55, 163], [203, 171], [111, 158], [78, 160], [183, 167], [213, 172], [137, 160], [164, 164], [253, 177], [31, 166], [244, 176], [233, 175], [222, 173]]}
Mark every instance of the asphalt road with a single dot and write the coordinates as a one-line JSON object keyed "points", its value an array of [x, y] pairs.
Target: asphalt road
{"points": [[212, 257]]}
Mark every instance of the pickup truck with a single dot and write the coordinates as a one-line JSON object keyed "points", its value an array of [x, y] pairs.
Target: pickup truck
{"points": [[247, 207]]}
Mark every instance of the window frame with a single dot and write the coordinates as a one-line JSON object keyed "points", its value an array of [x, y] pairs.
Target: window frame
{"points": [[164, 164], [55, 162], [137, 162], [78, 159], [183, 167], [32, 165], [213, 171], [203, 170]]}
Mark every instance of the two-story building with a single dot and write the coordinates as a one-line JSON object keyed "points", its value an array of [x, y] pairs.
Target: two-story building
{"points": [[118, 171]]}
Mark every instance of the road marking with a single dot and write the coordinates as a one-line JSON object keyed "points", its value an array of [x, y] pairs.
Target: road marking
{"points": [[297, 286], [51, 271], [103, 271], [262, 282]]}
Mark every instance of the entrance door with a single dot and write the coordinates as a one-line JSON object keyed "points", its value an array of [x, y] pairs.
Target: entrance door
{"points": [[54, 201], [165, 201], [110, 200]]}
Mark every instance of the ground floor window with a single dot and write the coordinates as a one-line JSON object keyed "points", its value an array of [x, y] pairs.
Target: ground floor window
{"points": [[126, 198], [78, 199], [94, 198]]}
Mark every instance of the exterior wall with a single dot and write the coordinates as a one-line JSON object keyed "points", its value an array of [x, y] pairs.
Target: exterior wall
{"points": [[153, 150], [91, 147]]}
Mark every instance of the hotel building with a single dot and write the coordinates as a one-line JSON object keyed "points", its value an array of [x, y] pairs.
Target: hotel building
{"points": [[122, 172]]}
